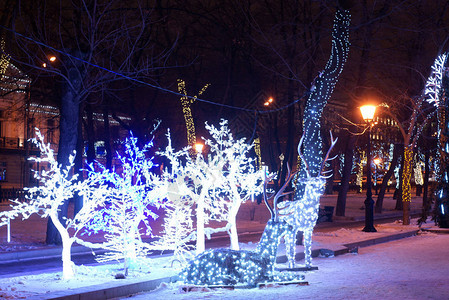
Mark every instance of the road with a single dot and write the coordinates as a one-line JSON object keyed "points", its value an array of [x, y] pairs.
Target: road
{"points": [[46, 264]]}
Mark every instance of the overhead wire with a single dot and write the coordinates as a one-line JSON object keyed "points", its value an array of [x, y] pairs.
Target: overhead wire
{"points": [[256, 111]]}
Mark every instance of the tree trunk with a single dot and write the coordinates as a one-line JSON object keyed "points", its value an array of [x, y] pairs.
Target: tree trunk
{"points": [[200, 219], [399, 191], [317, 100], [233, 235], [90, 135], [426, 201], [78, 166], [394, 161], [67, 264], [68, 135], [406, 185], [107, 138], [347, 168]]}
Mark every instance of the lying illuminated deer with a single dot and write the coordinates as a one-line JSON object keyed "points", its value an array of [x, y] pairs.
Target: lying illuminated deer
{"points": [[231, 267], [302, 215]]}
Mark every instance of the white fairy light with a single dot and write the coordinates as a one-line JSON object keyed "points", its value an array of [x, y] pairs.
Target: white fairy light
{"points": [[310, 184], [234, 267], [57, 185], [433, 84], [217, 186]]}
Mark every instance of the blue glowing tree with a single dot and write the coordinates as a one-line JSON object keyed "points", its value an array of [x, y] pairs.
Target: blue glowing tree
{"points": [[126, 198]]}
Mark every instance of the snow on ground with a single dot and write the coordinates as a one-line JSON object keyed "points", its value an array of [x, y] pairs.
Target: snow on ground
{"points": [[37, 283], [385, 270], [411, 268]]}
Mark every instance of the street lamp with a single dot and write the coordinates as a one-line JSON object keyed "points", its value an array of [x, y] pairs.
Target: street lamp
{"points": [[368, 115], [199, 147], [376, 161]]}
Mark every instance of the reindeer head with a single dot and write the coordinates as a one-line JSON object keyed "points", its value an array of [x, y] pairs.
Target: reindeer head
{"points": [[322, 173]]}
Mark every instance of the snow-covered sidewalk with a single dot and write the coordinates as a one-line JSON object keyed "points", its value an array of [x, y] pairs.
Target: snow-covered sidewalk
{"points": [[411, 268], [43, 285]]}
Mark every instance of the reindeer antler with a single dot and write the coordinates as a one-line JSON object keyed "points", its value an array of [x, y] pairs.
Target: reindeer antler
{"points": [[265, 199], [302, 156], [280, 193]]}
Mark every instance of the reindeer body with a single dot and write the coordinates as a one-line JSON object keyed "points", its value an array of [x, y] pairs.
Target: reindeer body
{"points": [[302, 215], [230, 267]]}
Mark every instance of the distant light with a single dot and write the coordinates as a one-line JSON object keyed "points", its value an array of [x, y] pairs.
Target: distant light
{"points": [[44, 65], [377, 161], [52, 58], [269, 101], [199, 147]]}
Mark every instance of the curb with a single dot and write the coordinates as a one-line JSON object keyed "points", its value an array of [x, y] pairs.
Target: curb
{"points": [[50, 252], [56, 251], [107, 290], [112, 289], [381, 216]]}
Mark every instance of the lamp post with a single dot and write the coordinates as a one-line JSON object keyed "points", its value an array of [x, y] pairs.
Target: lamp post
{"points": [[368, 115], [376, 161]]}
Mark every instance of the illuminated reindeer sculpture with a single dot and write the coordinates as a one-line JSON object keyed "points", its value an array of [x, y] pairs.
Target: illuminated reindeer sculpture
{"points": [[302, 215], [231, 267]]}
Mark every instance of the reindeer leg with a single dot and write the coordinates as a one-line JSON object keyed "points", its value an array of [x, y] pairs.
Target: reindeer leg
{"points": [[290, 247], [308, 248]]}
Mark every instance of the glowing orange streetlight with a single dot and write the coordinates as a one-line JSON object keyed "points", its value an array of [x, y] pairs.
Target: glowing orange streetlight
{"points": [[199, 147], [52, 58], [368, 115], [368, 112]]}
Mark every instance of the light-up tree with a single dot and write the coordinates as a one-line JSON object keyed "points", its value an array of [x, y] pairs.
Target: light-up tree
{"points": [[195, 180], [56, 185], [309, 180], [178, 228], [439, 88], [324, 86], [412, 127], [241, 180], [217, 184], [127, 197], [186, 103]]}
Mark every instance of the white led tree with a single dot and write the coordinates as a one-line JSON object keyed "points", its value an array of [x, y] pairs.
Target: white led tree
{"points": [[127, 197], [217, 184], [56, 185], [241, 180], [195, 180]]}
